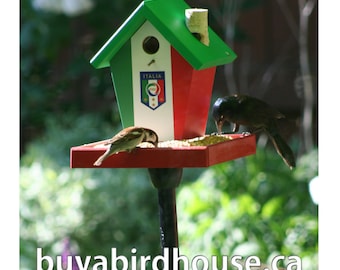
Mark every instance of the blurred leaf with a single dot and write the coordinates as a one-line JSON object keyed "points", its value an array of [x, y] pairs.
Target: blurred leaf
{"points": [[84, 204], [271, 207], [256, 207], [308, 166]]}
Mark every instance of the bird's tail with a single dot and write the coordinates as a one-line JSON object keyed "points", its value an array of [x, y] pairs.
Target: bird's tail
{"points": [[99, 161], [282, 148]]}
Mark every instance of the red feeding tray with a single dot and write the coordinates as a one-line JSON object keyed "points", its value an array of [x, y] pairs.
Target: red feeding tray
{"points": [[173, 157]]}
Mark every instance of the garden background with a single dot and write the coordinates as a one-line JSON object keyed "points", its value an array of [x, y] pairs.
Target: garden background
{"points": [[250, 206]]}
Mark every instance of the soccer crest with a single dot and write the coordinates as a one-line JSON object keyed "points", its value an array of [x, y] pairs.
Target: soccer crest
{"points": [[152, 86]]}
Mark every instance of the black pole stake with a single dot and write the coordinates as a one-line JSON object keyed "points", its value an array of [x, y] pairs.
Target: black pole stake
{"points": [[168, 217], [166, 180]]}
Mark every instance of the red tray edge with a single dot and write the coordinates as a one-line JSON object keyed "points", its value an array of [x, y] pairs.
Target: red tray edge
{"points": [[172, 157]]}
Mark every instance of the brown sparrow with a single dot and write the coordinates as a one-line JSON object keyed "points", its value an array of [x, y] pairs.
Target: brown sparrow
{"points": [[127, 140]]}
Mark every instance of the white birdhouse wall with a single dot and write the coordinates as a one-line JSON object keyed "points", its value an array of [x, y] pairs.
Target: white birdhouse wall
{"points": [[152, 81]]}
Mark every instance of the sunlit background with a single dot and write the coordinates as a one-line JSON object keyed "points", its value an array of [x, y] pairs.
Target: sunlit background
{"points": [[250, 206]]}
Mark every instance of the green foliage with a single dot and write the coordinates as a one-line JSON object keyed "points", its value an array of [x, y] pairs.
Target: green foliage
{"points": [[88, 206], [97, 208], [251, 206], [55, 74], [62, 133], [248, 206]]}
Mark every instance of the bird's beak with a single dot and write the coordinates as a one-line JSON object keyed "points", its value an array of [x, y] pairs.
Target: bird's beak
{"points": [[219, 125], [151, 137]]}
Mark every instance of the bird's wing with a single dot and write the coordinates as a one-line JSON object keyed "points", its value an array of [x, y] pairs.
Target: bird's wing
{"points": [[124, 137], [262, 109]]}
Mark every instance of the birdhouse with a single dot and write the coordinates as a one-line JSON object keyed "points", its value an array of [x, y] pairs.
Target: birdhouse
{"points": [[162, 72]]}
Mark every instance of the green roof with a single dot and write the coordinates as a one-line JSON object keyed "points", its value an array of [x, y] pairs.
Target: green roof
{"points": [[168, 17]]}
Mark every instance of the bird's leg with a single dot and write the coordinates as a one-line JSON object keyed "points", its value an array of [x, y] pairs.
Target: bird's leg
{"points": [[219, 133], [216, 133], [236, 127]]}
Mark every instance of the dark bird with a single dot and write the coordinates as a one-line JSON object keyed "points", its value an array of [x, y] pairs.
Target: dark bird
{"points": [[127, 140], [255, 114]]}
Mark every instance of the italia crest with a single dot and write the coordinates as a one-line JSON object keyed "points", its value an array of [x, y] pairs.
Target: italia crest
{"points": [[152, 86]]}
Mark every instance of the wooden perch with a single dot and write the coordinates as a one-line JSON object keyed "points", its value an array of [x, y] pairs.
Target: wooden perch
{"points": [[197, 23]]}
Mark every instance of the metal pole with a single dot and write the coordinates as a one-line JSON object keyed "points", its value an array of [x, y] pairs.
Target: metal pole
{"points": [[166, 180]]}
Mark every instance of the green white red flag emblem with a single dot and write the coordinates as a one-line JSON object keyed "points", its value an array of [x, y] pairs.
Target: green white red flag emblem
{"points": [[152, 86]]}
